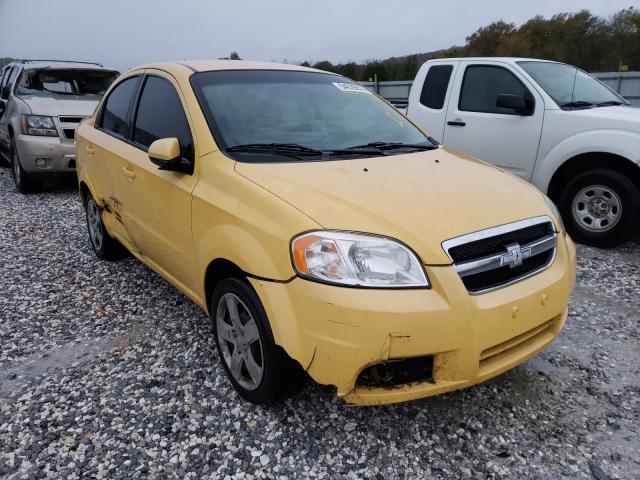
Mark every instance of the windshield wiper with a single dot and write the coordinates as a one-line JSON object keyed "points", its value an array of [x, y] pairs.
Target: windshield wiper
{"points": [[578, 104], [297, 150], [609, 103], [395, 145]]}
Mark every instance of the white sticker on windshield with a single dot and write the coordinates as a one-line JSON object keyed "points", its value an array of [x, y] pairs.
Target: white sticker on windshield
{"points": [[350, 88]]}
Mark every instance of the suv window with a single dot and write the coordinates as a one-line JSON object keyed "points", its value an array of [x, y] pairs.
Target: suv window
{"points": [[483, 83], [160, 115], [116, 107], [4, 76], [435, 86]]}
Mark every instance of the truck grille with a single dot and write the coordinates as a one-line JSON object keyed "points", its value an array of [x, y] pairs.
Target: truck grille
{"points": [[499, 256], [68, 124]]}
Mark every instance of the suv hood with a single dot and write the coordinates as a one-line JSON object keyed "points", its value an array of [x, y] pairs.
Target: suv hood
{"points": [[55, 105], [420, 198]]}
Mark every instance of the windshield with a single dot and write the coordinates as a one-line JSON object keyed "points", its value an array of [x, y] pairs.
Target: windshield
{"points": [[570, 85], [301, 109], [49, 81]]}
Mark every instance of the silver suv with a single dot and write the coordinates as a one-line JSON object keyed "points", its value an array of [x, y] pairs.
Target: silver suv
{"points": [[41, 104]]}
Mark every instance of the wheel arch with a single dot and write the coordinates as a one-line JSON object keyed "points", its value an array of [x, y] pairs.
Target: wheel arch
{"points": [[589, 161], [217, 270]]}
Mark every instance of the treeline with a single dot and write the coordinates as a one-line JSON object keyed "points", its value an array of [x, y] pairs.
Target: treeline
{"points": [[593, 43]]}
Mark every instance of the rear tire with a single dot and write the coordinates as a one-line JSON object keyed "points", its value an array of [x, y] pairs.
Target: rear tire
{"points": [[600, 208], [105, 247], [24, 182], [259, 370]]}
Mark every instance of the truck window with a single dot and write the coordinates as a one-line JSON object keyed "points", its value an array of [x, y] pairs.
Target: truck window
{"points": [[435, 86], [483, 83]]}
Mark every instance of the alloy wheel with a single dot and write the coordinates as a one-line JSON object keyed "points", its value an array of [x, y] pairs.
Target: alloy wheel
{"points": [[94, 224], [239, 341]]}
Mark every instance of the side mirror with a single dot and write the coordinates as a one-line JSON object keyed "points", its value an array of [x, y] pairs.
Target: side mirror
{"points": [[513, 102], [165, 153], [4, 93]]}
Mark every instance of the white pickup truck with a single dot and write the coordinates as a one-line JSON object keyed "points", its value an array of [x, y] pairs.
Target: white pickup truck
{"points": [[547, 122]]}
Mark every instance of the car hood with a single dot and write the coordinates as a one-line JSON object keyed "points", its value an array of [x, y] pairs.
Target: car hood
{"points": [[55, 105], [420, 198]]}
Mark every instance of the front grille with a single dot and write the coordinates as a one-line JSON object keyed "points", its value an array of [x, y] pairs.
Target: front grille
{"points": [[68, 119], [70, 133], [493, 245], [500, 256]]}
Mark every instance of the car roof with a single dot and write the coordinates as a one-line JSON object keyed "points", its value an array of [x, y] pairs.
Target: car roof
{"points": [[212, 65]]}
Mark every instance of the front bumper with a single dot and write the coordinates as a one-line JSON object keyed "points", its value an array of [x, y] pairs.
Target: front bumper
{"points": [[58, 154], [336, 332]]}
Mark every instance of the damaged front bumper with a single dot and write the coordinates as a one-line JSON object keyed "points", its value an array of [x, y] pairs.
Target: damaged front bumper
{"points": [[452, 339]]}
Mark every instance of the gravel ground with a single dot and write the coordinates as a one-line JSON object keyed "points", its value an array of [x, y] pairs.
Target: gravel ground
{"points": [[106, 371]]}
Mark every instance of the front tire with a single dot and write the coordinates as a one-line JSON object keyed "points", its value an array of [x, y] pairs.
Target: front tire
{"points": [[23, 181], [259, 370], [600, 208], [105, 247]]}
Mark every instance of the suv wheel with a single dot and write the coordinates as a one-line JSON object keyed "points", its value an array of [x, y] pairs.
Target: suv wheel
{"points": [[103, 245], [600, 207], [259, 370], [23, 182]]}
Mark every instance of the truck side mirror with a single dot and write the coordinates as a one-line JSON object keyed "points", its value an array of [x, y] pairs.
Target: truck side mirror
{"points": [[4, 93], [511, 101]]}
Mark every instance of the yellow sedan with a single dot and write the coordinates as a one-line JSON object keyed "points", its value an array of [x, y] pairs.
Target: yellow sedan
{"points": [[322, 230]]}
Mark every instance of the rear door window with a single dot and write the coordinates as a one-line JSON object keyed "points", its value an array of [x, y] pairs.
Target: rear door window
{"points": [[116, 107], [483, 83], [160, 115], [435, 86]]}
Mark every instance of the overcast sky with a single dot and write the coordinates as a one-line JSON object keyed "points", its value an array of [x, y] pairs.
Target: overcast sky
{"points": [[124, 33]]}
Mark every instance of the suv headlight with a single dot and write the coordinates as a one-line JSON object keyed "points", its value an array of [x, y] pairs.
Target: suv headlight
{"points": [[357, 260], [38, 125], [556, 213]]}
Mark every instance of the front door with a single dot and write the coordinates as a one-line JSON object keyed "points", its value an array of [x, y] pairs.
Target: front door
{"points": [[478, 127], [157, 203]]}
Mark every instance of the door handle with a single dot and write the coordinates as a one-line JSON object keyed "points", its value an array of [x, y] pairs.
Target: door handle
{"points": [[456, 123], [128, 173]]}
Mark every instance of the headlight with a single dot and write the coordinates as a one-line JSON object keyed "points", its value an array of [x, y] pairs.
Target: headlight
{"points": [[357, 260], [556, 213], [38, 125]]}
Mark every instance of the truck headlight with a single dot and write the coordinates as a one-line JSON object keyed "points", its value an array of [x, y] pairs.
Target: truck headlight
{"points": [[38, 125], [357, 260], [556, 213]]}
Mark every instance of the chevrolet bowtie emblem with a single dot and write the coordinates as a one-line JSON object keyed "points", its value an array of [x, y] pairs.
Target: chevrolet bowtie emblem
{"points": [[515, 255]]}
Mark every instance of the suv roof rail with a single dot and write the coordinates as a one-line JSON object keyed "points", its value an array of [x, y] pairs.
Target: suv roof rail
{"points": [[56, 61]]}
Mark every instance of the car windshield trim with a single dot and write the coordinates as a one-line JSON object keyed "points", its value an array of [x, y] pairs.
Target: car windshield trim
{"points": [[577, 90], [293, 147]]}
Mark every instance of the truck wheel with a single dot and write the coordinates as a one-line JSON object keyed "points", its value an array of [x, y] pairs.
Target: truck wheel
{"points": [[105, 247], [23, 182], [259, 370], [600, 207]]}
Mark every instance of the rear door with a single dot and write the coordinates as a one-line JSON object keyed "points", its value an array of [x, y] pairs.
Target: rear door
{"points": [[157, 203], [429, 96], [477, 126], [105, 149]]}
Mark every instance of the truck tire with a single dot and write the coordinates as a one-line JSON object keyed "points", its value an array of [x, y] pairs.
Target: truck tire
{"points": [[23, 182], [600, 207], [259, 370]]}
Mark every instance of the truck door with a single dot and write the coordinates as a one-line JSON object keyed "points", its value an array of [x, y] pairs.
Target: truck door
{"points": [[481, 124], [429, 96]]}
